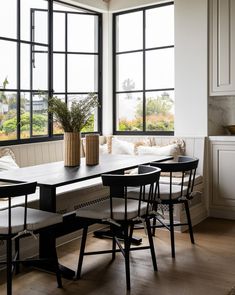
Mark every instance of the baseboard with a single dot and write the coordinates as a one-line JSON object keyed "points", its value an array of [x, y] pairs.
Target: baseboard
{"points": [[220, 213]]}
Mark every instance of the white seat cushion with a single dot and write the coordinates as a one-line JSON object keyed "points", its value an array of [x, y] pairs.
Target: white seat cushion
{"points": [[36, 219], [164, 192], [178, 180], [175, 193], [101, 210]]}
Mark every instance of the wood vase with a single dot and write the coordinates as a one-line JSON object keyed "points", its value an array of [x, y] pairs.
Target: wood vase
{"points": [[92, 149], [72, 144]]}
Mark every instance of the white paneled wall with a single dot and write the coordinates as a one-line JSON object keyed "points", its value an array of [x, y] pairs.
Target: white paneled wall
{"points": [[38, 153]]}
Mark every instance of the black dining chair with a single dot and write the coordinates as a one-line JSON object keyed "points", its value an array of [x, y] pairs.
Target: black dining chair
{"points": [[171, 194], [122, 213], [21, 221]]}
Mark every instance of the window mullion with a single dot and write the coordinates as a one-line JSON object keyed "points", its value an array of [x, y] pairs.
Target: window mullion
{"points": [[144, 71], [100, 70], [50, 63], [18, 102], [114, 74], [32, 60], [66, 57]]}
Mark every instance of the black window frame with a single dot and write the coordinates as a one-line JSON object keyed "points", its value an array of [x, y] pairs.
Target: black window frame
{"points": [[144, 50], [18, 41]]}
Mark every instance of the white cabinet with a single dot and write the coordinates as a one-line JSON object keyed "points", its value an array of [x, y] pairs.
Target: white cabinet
{"points": [[222, 178], [222, 47]]}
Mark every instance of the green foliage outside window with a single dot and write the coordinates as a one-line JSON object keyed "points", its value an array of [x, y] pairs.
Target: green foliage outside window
{"points": [[159, 116], [39, 124]]}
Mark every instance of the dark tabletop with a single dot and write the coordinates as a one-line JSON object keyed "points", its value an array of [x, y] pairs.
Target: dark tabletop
{"points": [[55, 174]]}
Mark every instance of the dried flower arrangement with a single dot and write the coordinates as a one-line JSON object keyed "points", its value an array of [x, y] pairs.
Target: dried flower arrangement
{"points": [[78, 116]]}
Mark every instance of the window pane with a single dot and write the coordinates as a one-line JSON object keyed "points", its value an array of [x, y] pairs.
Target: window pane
{"points": [[129, 31], [41, 27], [80, 39], [40, 115], [8, 119], [82, 73], [56, 126], [160, 69], [39, 67], [25, 66], [160, 111], [28, 8], [160, 26], [59, 72], [129, 112], [93, 123], [8, 19], [59, 32], [8, 65], [40, 71], [129, 72], [25, 115]]}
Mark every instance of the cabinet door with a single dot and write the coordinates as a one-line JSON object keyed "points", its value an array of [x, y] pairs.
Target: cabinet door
{"points": [[222, 47], [222, 194]]}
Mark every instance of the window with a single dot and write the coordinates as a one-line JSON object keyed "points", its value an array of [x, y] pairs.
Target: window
{"points": [[144, 70], [45, 51]]}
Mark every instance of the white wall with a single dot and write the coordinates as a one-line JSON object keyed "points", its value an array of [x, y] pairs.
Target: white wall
{"points": [[107, 75], [191, 59], [98, 5], [116, 5]]}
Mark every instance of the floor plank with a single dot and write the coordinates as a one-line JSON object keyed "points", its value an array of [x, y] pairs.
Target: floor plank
{"points": [[206, 268]]}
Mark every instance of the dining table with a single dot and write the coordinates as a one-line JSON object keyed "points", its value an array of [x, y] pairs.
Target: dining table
{"points": [[50, 176]]}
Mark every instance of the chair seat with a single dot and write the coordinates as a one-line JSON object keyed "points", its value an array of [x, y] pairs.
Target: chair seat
{"points": [[178, 180], [36, 219], [164, 192], [101, 210], [175, 191]]}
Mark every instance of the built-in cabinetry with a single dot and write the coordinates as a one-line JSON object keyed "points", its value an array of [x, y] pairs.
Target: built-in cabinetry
{"points": [[222, 176], [222, 47]]}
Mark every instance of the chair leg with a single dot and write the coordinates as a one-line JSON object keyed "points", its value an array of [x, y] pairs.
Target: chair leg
{"points": [[113, 243], [172, 234], [131, 231], [189, 221], [127, 243], [154, 226], [9, 266], [17, 251], [82, 250], [151, 244]]}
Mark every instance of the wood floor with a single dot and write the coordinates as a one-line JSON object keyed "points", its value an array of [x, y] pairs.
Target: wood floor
{"points": [[206, 268]]}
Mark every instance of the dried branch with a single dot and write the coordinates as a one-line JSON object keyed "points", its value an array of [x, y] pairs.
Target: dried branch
{"points": [[78, 117]]}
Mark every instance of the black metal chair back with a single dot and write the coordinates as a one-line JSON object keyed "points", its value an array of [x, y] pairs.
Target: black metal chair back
{"points": [[184, 167], [17, 190], [147, 177]]}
